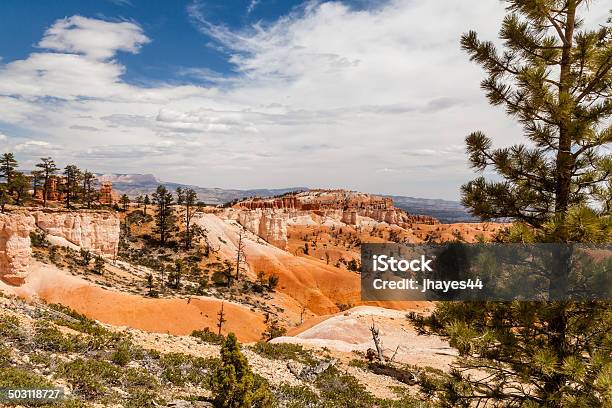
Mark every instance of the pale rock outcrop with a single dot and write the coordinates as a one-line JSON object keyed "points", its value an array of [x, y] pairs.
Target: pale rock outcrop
{"points": [[15, 247], [97, 232], [266, 223]]}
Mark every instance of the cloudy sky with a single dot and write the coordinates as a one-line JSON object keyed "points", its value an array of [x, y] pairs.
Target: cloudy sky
{"points": [[368, 95]]}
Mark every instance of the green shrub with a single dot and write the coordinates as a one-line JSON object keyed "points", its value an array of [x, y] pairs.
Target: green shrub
{"points": [[49, 338], [180, 369], [40, 358], [9, 327], [122, 354], [359, 363], [38, 239], [99, 338], [273, 330], [208, 336], [89, 377], [11, 377], [284, 351], [297, 397], [139, 379], [79, 322], [5, 356], [142, 399], [343, 390]]}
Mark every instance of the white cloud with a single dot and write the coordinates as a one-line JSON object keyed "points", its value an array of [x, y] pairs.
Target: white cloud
{"points": [[93, 38], [252, 6], [327, 95]]}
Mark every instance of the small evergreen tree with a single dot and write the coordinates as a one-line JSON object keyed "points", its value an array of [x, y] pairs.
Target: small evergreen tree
{"points": [[72, 183], [19, 186], [48, 169], [37, 179], [146, 201], [85, 257], [99, 265], [234, 385], [124, 200], [150, 284], [89, 191], [8, 165], [164, 218], [5, 198], [188, 198]]}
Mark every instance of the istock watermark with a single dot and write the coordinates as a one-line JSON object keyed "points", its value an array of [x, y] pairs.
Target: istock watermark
{"points": [[458, 271]]}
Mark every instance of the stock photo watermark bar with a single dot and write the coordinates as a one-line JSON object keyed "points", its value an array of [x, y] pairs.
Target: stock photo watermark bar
{"points": [[480, 272]]}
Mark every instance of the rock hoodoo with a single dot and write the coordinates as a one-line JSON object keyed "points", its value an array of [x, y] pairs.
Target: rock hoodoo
{"points": [[15, 249], [269, 225]]}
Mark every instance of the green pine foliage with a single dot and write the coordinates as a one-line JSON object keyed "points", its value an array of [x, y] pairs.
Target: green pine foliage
{"points": [[165, 219], [553, 76], [234, 385]]}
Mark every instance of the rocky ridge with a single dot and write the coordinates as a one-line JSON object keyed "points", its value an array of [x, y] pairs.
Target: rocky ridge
{"points": [[269, 217]]}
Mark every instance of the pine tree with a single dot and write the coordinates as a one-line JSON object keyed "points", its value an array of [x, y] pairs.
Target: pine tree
{"points": [[47, 170], [72, 183], [8, 165], [164, 218], [124, 201], [188, 198], [234, 385], [37, 178], [146, 201], [89, 191], [555, 79], [19, 186], [99, 265], [5, 198]]}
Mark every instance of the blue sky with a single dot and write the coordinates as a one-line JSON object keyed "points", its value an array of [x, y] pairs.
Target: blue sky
{"points": [[177, 42], [374, 96]]}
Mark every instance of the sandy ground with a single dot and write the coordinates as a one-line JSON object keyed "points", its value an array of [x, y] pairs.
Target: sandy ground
{"points": [[350, 331], [175, 316]]}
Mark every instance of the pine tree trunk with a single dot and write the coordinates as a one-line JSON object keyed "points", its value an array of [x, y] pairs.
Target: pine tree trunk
{"points": [[562, 254], [564, 159], [45, 189]]}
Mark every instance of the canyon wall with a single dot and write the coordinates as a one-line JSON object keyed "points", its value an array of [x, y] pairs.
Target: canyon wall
{"points": [[96, 231]]}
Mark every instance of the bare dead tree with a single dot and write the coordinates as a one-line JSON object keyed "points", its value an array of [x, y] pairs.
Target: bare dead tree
{"points": [[302, 314], [377, 341], [394, 354], [221, 319], [240, 256]]}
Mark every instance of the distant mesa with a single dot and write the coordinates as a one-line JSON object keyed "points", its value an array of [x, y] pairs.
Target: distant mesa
{"points": [[445, 211], [351, 203], [128, 178]]}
